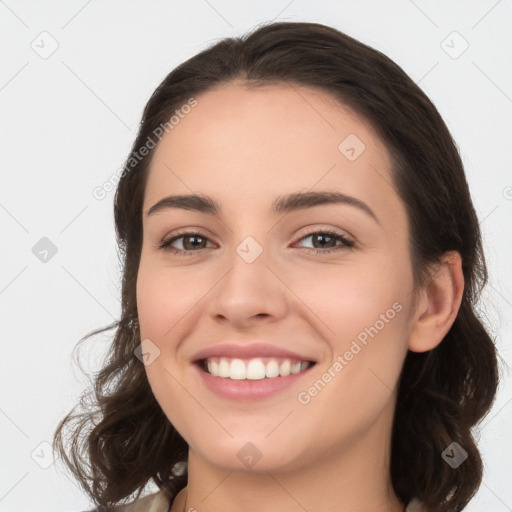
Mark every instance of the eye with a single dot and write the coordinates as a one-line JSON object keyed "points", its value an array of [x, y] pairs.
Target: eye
{"points": [[325, 239], [193, 242]]}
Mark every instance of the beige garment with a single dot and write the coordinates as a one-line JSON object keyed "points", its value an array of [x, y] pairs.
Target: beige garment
{"points": [[156, 502], [415, 505]]}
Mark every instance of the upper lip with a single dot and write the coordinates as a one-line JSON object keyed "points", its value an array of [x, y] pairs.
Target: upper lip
{"points": [[233, 350]]}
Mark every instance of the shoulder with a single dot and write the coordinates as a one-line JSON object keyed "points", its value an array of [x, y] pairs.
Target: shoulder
{"points": [[156, 502]]}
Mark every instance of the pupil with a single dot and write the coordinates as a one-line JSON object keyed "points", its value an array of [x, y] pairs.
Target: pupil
{"points": [[323, 237], [193, 245]]}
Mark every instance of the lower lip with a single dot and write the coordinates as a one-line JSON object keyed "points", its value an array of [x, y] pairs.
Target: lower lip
{"points": [[248, 389]]}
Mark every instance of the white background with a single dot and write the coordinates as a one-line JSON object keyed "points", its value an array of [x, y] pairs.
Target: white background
{"points": [[67, 124]]}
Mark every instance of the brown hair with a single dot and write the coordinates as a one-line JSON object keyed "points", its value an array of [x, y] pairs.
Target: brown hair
{"points": [[442, 393]]}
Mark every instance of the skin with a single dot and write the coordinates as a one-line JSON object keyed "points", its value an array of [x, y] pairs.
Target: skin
{"points": [[244, 147]]}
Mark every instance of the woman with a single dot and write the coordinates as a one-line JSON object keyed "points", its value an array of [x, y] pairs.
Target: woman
{"points": [[302, 262]]}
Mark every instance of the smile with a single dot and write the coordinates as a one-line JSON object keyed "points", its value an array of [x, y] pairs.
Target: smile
{"points": [[257, 368], [247, 380]]}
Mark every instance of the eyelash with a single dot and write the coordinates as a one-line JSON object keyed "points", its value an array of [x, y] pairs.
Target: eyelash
{"points": [[165, 245]]}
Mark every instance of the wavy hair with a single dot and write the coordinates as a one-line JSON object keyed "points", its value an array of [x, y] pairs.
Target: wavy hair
{"points": [[121, 440]]}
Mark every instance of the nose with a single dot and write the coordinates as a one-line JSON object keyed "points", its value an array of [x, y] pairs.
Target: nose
{"points": [[250, 292]]}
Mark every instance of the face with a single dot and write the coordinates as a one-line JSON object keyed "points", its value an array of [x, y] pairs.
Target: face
{"points": [[328, 283]]}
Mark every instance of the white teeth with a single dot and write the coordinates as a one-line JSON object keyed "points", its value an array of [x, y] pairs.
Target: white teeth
{"points": [[237, 370], [295, 367], [255, 369], [223, 368], [272, 369], [285, 368]]}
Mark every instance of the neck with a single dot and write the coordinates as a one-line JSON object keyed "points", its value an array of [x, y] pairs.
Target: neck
{"points": [[353, 477]]}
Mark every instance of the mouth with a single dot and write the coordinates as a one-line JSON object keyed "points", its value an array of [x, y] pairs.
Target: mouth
{"points": [[257, 368]]}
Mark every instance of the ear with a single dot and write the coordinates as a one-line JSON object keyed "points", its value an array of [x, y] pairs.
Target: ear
{"points": [[438, 304]]}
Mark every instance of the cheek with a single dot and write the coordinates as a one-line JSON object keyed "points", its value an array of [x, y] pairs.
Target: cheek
{"points": [[165, 297], [346, 299], [362, 312]]}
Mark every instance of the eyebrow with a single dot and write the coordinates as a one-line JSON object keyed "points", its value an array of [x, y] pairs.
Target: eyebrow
{"points": [[283, 204]]}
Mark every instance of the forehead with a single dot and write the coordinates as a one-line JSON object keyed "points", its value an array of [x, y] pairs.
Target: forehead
{"points": [[246, 145]]}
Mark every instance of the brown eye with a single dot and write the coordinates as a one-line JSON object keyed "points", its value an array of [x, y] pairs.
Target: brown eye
{"points": [[325, 242], [191, 242]]}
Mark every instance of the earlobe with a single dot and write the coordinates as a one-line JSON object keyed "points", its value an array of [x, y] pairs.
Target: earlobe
{"points": [[438, 304]]}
